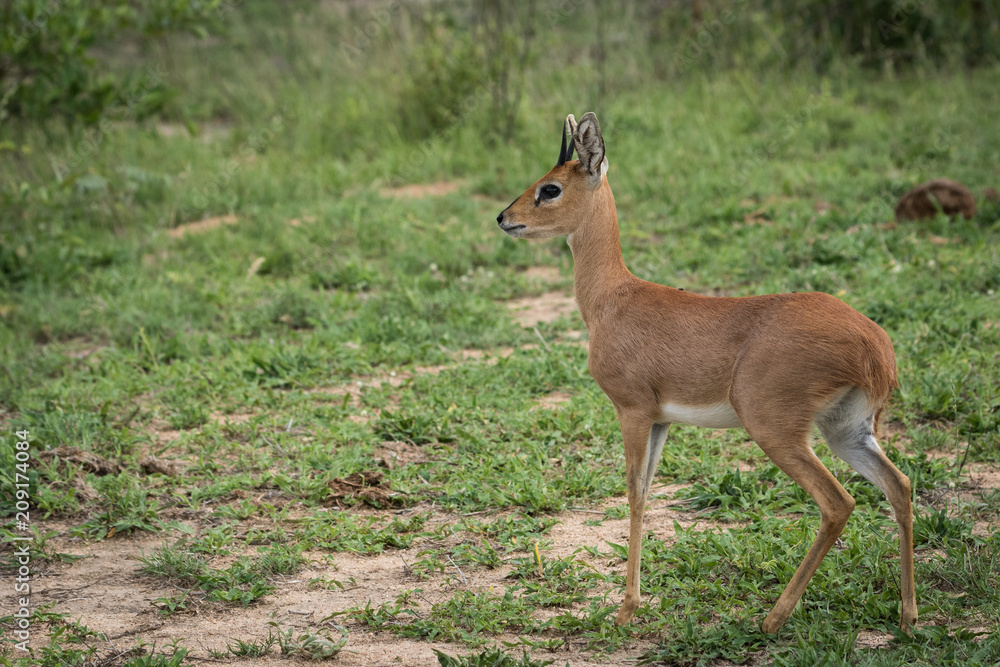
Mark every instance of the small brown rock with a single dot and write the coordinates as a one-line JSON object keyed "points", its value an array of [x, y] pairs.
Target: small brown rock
{"points": [[369, 486], [151, 465], [923, 200]]}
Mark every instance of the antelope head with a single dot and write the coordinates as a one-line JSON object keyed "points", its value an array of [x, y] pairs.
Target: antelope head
{"points": [[566, 196]]}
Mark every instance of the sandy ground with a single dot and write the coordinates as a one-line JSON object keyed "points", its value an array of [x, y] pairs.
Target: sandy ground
{"points": [[106, 591]]}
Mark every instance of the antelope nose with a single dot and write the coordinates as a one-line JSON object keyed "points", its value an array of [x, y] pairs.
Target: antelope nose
{"points": [[500, 218]]}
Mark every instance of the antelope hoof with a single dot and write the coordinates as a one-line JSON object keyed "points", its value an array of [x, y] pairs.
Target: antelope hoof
{"points": [[626, 612], [771, 624]]}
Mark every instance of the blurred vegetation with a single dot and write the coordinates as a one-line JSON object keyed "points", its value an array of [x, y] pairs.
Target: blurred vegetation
{"points": [[50, 65], [265, 109], [755, 147], [449, 58], [890, 33]]}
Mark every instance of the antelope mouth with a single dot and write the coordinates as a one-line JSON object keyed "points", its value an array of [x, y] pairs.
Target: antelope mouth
{"points": [[513, 230]]}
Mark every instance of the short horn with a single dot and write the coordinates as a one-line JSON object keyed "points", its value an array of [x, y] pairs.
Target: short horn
{"points": [[569, 127], [562, 150]]}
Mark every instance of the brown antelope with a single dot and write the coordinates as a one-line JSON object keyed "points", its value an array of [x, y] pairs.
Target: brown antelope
{"points": [[775, 365]]}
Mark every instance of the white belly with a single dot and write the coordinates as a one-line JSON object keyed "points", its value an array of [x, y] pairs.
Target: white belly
{"points": [[720, 415]]}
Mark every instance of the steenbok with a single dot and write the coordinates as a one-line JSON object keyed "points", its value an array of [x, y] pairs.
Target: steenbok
{"points": [[775, 365]]}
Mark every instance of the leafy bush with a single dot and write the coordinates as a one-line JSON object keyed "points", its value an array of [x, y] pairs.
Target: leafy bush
{"points": [[889, 31], [47, 69], [876, 33], [457, 71]]}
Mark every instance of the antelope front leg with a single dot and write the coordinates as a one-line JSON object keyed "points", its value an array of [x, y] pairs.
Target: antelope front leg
{"points": [[643, 445]]}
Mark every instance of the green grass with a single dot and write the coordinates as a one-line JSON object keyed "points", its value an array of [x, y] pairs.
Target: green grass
{"points": [[238, 342], [243, 582]]}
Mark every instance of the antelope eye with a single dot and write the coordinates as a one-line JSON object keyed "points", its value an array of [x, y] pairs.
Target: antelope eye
{"points": [[549, 191]]}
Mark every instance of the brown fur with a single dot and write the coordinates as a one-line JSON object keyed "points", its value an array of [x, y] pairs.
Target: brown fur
{"points": [[780, 360], [923, 200], [635, 325]]}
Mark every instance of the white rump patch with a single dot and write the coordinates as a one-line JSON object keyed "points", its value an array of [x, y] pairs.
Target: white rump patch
{"points": [[721, 415], [848, 427]]}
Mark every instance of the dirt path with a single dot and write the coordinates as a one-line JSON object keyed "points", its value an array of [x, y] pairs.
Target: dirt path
{"points": [[106, 592]]}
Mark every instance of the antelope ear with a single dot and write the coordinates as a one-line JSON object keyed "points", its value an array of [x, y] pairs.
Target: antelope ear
{"points": [[590, 145]]}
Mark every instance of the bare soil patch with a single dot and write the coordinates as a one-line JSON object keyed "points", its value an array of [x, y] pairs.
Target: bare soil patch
{"points": [[79, 347], [394, 454], [421, 190], [106, 591], [355, 388], [544, 274], [297, 222], [201, 226], [206, 133], [553, 400], [533, 310]]}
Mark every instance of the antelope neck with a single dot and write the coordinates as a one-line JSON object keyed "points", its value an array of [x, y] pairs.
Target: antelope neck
{"points": [[598, 266]]}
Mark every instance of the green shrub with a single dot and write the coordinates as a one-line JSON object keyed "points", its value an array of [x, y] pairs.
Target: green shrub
{"points": [[47, 69]]}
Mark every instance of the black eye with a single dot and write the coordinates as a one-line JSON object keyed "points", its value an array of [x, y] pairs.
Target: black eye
{"points": [[549, 191]]}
